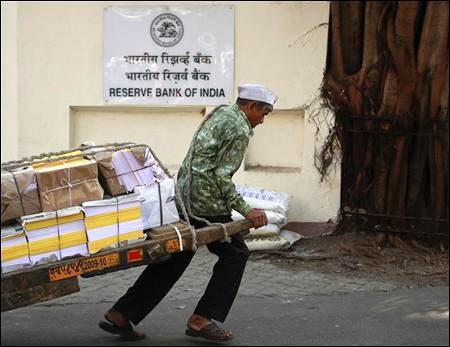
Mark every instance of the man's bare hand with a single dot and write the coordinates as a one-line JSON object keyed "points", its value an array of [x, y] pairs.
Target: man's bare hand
{"points": [[257, 217]]}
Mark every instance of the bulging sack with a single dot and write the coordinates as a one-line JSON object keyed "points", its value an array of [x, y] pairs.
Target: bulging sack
{"points": [[264, 199], [267, 243], [19, 194], [158, 203], [272, 217], [269, 230]]}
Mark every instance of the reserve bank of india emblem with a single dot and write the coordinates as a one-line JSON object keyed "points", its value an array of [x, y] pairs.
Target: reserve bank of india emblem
{"points": [[167, 30]]}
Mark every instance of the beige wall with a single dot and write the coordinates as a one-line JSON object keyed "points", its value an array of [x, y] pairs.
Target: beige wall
{"points": [[54, 84], [9, 119]]}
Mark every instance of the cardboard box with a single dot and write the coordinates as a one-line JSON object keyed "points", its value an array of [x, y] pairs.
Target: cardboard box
{"points": [[107, 174], [20, 194], [68, 183]]}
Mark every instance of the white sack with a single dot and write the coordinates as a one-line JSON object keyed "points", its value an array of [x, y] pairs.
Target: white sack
{"points": [[264, 199], [265, 205], [150, 206], [272, 217], [281, 242], [266, 244], [269, 230]]}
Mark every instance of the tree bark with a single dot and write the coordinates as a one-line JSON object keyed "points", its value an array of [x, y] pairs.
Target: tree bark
{"points": [[387, 82], [429, 146]]}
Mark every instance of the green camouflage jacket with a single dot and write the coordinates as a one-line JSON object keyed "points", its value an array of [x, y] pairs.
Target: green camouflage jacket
{"points": [[219, 147]]}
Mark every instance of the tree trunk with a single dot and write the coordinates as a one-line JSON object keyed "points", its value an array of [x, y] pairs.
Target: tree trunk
{"points": [[429, 144], [387, 82]]}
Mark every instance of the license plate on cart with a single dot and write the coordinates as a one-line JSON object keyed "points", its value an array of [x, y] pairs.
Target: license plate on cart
{"points": [[80, 266]]}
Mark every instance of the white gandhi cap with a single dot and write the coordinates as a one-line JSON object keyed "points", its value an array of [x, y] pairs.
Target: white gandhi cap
{"points": [[257, 92]]}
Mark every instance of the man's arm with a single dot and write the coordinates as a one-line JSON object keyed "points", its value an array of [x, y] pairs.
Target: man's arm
{"points": [[229, 160]]}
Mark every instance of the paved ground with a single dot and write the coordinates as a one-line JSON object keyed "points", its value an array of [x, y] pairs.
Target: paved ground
{"points": [[274, 307], [261, 279]]}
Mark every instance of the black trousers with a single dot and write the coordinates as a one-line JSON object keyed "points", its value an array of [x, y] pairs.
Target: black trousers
{"points": [[157, 280]]}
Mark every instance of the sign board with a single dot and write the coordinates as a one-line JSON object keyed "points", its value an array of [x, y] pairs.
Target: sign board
{"points": [[168, 55]]}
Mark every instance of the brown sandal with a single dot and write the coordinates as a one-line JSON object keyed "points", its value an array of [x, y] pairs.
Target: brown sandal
{"points": [[125, 333], [211, 332]]}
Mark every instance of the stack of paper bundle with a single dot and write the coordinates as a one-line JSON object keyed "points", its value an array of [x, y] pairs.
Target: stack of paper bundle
{"points": [[55, 235], [158, 204], [122, 170], [101, 223], [130, 172], [67, 183], [43, 240], [45, 161], [14, 245], [130, 220], [72, 232], [113, 222]]}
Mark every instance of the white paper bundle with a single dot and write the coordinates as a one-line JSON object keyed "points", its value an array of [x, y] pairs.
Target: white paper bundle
{"points": [[264, 199], [130, 220], [14, 245], [158, 205], [113, 222], [72, 232], [102, 228], [150, 161], [43, 240], [131, 173]]}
